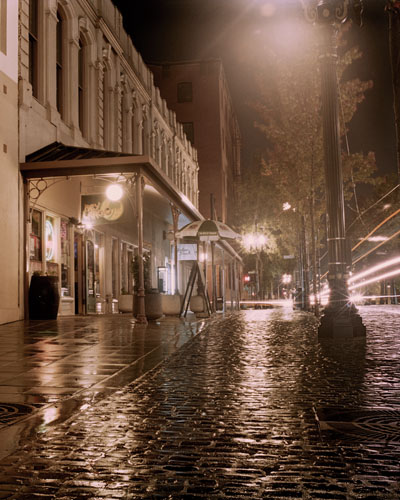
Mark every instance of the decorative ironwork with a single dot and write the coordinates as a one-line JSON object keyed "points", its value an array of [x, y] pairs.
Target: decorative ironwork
{"points": [[38, 186], [374, 424], [9, 412], [332, 11]]}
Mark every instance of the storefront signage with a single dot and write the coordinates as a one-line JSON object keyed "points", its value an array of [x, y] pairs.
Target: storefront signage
{"points": [[98, 209], [49, 239], [187, 251]]}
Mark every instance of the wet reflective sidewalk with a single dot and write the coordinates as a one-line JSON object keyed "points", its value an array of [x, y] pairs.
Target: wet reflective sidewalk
{"points": [[49, 369], [253, 407]]}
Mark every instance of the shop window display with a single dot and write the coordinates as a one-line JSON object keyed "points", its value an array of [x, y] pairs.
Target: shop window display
{"points": [[65, 258], [36, 236], [51, 246]]}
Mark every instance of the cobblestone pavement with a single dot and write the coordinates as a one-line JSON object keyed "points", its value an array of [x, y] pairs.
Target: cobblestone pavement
{"points": [[232, 415]]}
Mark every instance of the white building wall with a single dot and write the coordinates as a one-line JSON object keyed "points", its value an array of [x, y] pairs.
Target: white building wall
{"points": [[10, 210], [120, 96], [123, 111]]}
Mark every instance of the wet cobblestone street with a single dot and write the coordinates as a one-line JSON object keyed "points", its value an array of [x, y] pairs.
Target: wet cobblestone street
{"points": [[252, 407]]}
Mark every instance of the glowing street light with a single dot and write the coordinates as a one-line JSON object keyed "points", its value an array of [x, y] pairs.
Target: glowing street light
{"points": [[254, 241], [114, 192]]}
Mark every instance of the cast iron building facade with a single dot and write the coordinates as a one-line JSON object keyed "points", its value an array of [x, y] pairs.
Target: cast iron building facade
{"points": [[84, 90]]}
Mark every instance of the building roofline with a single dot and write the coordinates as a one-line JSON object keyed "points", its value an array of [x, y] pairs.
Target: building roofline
{"points": [[189, 61]]}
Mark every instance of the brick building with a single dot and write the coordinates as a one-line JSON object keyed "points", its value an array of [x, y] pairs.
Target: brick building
{"points": [[198, 93]]}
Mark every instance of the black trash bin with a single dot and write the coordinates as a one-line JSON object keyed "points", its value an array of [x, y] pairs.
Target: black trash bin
{"points": [[44, 297]]}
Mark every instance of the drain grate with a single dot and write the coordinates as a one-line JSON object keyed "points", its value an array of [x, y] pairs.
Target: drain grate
{"points": [[9, 412], [375, 424]]}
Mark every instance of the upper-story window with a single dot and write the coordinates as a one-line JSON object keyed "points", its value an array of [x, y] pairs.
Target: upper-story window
{"points": [[82, 87], [33, 45], [106, 104], [59, 65], [188, 129], [185, 92]]}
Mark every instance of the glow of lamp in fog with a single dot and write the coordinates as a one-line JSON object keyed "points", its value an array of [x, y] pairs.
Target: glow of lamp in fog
{"points": [[261, 240], [253, 241], [249, 240], [356, 298], [267, 9], [114, 192]]}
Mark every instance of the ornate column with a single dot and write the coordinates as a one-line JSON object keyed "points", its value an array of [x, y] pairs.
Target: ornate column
{"points": [[340, 318], [175, 217]]}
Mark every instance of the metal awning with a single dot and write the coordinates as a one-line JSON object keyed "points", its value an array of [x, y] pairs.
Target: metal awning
{"points": [[58, 151], [59, 160]]}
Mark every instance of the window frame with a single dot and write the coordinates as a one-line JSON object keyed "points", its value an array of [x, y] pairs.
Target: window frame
{"points": [[188, 129], [33, 35], [184, 92], [60, 30]]}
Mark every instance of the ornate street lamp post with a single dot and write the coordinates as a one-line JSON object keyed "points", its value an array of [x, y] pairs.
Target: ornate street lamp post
{"points": [[340, 317]]}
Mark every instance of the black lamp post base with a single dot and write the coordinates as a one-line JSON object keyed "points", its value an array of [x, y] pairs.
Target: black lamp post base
{"points": [[346, 325]]}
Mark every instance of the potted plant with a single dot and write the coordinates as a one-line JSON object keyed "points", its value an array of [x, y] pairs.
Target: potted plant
{"points": [[44, 296], [125, 301], [152, 299]]}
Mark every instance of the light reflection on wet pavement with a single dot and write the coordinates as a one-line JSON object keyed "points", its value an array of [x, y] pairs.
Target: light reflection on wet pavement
{"points": [[230, 415]]}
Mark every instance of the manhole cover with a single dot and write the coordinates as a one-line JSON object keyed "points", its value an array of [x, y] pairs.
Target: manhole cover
{"points": [[13, 411], [375, 424]]}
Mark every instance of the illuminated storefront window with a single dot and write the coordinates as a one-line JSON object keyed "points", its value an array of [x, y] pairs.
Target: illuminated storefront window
{"points": [[65, 258], [50, 239], [36, 236]]}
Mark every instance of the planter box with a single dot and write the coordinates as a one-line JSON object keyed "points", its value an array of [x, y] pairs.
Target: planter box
{"points": [[171, 304], [197, 303], [152, 304], [67, 306], [125, 303]]}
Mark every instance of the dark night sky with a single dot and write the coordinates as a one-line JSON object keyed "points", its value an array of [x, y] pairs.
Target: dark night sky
{"points": [[171, 30]]}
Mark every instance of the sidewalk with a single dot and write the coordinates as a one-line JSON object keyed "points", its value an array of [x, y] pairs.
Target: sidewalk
{"points": [[49, 369], [254, 407]]}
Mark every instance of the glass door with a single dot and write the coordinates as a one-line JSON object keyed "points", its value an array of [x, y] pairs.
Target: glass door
{"points": [[90, 277]]}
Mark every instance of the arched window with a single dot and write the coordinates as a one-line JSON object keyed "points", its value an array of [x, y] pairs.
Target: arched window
{"points": [[33, 45], [59, 65], [82, 88], [133, 130], [106, 104]]}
